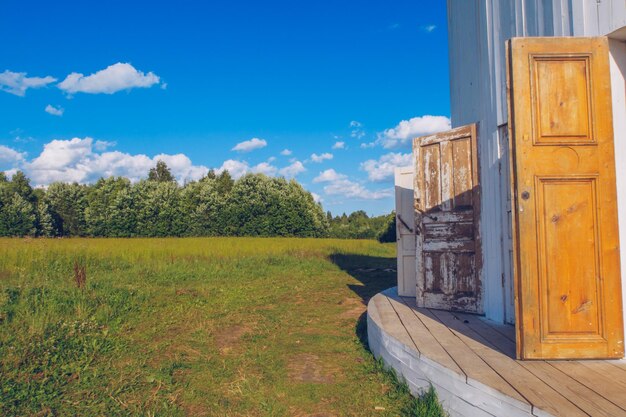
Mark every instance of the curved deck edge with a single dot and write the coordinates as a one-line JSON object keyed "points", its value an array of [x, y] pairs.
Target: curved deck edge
{"points": [[458, 395]]}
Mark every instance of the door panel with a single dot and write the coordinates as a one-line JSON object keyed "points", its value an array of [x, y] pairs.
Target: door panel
{"points": [[405, 231], [566, 266], [447, 198]]}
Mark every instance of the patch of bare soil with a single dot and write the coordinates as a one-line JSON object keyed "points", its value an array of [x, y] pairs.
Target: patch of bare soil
{"points": [[226, 339], [306, 367], [355, 308]]}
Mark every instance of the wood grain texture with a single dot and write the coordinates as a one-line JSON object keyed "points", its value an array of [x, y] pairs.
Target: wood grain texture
{"points": [[566, 269], [447, 205], [472, 359]]}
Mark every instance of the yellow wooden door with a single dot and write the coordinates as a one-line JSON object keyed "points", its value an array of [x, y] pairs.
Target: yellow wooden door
{"points": [[567, 267], [447, 197]]}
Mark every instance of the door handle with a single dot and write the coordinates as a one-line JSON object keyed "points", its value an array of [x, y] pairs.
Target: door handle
{"points": [[525, 195]]}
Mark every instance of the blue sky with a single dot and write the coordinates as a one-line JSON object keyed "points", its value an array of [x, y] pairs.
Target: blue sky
{"points": [[127, 83]]}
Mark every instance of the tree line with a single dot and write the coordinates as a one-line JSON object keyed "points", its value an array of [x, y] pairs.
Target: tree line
{"points": [[215, 205]]}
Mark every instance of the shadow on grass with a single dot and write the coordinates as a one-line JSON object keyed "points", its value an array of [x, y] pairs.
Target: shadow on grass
{"points": [[375, 274]]}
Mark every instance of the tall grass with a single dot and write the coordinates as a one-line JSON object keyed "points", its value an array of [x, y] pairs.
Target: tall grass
{"points": [[207, 326]]}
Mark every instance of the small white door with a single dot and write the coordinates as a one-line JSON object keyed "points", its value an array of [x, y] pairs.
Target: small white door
{"points": [[405, 232]]}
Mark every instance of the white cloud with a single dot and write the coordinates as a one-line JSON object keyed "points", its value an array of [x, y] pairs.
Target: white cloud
{"points": [[368, 145], [79, 160], [316, 197], [114, 78], [17, 82], [329, 175], [356, 132], [321, 158], [406, 130], [382, 169], [10, 157], [103, 145], [339, 145], [429, 28], [352, 189], [264, 168], [55, 111], [285, 152], [292, 170], [250, 145], [339, 184], [235, 168]]}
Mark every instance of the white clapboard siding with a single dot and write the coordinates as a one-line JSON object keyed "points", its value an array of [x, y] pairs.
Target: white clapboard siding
{"points": [[477, 32], [405, 231]]}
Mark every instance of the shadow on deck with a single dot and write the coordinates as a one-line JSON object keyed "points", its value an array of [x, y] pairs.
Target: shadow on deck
{"points": [[471, 363]]}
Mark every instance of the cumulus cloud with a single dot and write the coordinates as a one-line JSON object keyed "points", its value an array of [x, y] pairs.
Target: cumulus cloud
{"points": [[103, 145], [382, 168], [265, 168], [114, 78], [429, 28], [250, 145], [339, 184], [80, 160], [235, 168], [354, 123], [321, 158], [406, 130], [328, 176], [55, 111], [9, 157], [292, 170], [17, 82], [285, 152], [339, 145]]}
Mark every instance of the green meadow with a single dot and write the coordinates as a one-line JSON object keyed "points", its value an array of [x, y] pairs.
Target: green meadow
{"points": [[194, 327]]}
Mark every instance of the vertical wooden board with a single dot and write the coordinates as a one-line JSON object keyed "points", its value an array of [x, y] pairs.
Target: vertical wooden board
{"points": [[431, 177], [462, 176], [567, 272]]}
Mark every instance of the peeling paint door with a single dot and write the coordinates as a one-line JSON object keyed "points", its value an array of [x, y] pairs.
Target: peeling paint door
{"points": [[447, 202], [405, 231], [565, 235]]}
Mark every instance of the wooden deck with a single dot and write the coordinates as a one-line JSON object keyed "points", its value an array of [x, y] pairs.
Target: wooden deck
{"points": [[471, 362]]}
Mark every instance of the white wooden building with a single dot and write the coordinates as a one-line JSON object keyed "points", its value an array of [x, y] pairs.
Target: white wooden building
{"points": [[531, 241]]}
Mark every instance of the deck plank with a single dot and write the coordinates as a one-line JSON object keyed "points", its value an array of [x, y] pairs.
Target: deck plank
{"points": [[583, 397], [612, 390], [423, 339], [533, 389], [472, 364], [390, 320]]}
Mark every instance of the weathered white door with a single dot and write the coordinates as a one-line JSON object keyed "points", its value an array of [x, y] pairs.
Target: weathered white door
{"points": [[447, 201], [405, 231]]}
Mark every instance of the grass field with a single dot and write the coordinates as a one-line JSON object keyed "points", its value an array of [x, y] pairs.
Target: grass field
{"points": [[199, 327]]}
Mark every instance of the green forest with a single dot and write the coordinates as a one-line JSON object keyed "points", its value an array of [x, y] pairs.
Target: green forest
{"points": [[215, 205]]}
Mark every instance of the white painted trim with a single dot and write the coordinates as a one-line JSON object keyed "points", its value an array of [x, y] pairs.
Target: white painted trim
{"points": [[617, 62]]}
